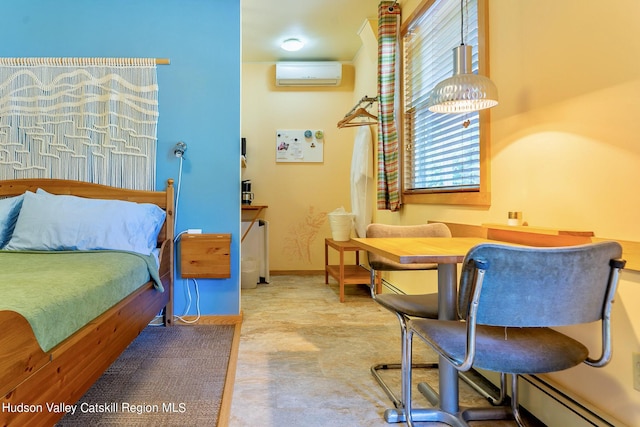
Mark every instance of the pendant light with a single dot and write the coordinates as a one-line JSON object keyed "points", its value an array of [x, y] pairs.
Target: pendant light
{"points": [[465, 91]]}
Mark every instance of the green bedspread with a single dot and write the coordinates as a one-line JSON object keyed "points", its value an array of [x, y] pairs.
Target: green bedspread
{"points": [[60, 292]]}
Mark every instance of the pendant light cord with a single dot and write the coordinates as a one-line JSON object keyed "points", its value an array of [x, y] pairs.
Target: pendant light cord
{"points": [[463, 6], [462, 23]]}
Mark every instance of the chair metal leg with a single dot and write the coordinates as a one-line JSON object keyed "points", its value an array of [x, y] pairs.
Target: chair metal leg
{"points": [[410, 415], [515, 408], [476, 381], [397, 402], [457, 418], [494, 395], [503, 391], [497, 412]]}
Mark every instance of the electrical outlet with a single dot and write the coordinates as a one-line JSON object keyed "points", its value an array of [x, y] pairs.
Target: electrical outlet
{"points": [[194, 231], [635, 357]]}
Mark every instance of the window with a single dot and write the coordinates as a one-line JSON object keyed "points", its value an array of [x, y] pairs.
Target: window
{"points": [[445, 156]]}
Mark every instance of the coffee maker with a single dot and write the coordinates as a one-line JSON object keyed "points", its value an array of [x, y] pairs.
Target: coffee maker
{"points": [[247, 195]]}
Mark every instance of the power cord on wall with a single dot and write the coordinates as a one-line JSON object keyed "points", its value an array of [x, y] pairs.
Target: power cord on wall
{"points": [[188, 294], [175, 216], [178, 151]]}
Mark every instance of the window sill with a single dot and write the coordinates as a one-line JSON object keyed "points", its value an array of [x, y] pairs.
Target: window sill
{"points": [[480, 199]]}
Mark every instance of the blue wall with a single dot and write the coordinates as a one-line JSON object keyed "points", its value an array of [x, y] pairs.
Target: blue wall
{"points": [[199, 98]]}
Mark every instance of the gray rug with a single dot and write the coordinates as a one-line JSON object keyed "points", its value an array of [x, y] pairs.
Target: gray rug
{"points": [[166, 377]]}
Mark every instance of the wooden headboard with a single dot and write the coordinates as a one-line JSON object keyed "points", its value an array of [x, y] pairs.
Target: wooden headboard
{"points": [[163, 199]]}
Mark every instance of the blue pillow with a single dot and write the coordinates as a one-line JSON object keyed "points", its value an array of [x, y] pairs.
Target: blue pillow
{"points": [[61, 222], [9, 210]]}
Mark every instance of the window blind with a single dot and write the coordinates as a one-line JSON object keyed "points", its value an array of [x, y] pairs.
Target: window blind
{"points": [[442, 151]]}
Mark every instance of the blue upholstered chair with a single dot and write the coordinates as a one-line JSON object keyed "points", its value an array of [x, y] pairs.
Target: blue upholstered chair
{"points": [[510, 298], [407, 306]]}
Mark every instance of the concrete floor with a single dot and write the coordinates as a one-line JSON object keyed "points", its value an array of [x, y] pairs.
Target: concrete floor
{"points": [[304, 358]]}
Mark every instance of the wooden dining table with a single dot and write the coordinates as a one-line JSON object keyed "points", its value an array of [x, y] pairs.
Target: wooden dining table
{"points": [[446, 252]]}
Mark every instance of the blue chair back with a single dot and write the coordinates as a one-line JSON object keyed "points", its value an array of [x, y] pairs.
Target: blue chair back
{"points": [[529, 287]]}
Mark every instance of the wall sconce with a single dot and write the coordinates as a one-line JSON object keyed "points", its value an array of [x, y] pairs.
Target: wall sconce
{"points": [[180, 149]]}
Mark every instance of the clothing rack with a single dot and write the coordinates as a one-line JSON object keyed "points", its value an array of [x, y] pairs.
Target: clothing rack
{"points": [[359, 112]]}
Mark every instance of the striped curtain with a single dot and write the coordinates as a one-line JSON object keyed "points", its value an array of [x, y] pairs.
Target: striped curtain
{"points": [[388, 161]]}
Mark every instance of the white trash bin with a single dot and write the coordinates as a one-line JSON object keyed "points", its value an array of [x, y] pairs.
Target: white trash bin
{"points": [[249, 272], [341, 223]]}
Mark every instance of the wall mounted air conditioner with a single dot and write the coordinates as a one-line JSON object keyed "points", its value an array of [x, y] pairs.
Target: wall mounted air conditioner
{"points": [[326, 73]]}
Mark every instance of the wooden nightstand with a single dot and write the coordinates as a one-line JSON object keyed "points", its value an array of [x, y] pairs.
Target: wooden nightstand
{"points": [[205, 256], [344, 274]]}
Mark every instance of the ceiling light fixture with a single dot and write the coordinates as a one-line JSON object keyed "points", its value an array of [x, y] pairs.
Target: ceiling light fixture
{"points": [[292, 45], [465, 91]]}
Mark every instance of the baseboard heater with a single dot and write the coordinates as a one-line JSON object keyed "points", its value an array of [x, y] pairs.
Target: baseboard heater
{"points": [[583, 412], [554, 406]]}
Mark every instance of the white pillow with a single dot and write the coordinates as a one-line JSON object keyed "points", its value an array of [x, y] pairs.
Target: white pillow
{"points": [[61, 222], [9, 210]]}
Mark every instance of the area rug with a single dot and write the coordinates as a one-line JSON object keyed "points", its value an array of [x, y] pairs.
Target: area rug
{"points": [[167, 377]]}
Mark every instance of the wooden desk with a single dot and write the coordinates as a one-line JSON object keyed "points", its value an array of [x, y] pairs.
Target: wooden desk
{"points": [[344, 274], [410, 250], [255, 210], [446, 252]]}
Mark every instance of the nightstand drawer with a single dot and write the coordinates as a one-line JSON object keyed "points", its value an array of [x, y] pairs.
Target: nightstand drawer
{"points": [[205, 256]]}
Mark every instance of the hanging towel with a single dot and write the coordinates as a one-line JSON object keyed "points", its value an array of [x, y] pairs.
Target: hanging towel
{"points": [[362, 183]]}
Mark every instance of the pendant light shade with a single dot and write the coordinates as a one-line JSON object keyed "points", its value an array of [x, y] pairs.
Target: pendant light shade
{"points": [[464, 91]]}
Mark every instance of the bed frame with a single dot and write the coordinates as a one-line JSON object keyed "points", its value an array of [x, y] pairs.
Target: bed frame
{"points": [[29, 376]]}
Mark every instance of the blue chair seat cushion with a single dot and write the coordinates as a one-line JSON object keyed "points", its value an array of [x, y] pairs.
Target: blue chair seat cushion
{"points": [[424, 305], [510, 350]]}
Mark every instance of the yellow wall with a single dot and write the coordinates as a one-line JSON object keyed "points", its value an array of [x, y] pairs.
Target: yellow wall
{"points": [[564, 143], [298, 195], [565, 151]]}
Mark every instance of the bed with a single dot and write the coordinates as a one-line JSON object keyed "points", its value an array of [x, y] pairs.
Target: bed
{"points": [[39, 373]]}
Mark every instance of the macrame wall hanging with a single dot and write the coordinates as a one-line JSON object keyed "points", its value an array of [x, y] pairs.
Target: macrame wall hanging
{"points": [[85, 119]]}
